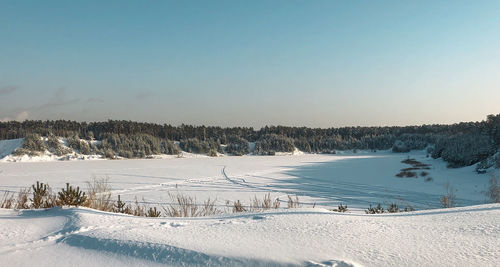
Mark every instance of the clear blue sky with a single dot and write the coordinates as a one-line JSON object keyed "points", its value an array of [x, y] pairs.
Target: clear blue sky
{"points": [[251, 63]]}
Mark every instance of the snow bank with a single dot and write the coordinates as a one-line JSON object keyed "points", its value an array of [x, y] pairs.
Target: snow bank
{"points": [[465, 236]]}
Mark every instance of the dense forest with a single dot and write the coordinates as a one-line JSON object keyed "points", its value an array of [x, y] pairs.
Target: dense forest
{"points": [[459, 144]]}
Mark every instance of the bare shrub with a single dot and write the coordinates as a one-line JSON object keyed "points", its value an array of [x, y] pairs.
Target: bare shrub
{"points": [[493, 191], [7, 201], [183, 206], [293, 203], [22, 198], [238, 207], [99, 195], [276, 203], [137, 210], [448, 200], [209, 208], [265, 204], [186, 206]]}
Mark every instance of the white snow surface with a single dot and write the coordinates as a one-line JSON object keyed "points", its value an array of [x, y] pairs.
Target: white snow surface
{"points": [[466, 236], [355, 179]]}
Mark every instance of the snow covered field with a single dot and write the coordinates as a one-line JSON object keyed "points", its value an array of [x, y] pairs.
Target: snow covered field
{"points": [[466, 236], [358, 179]]}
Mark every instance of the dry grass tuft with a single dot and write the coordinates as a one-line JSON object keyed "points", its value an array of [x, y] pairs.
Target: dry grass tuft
{"points": [[22, 198], [186, 206], [493, 192], [99, 195], [7, 201], [238, 207], [265, 204], [293, 203], [448, 200]]}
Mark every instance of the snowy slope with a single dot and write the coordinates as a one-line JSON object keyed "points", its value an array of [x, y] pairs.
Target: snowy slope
{"points": [[8, 146], [466, 236]]}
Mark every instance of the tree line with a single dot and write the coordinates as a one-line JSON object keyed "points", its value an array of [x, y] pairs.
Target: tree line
{"points": [[459, 144]]}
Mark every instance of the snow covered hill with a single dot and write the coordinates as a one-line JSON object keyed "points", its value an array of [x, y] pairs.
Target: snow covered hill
{"points": [[466, 236]]}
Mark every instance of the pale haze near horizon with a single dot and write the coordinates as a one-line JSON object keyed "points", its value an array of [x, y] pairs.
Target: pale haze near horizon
{"points": [[251, 63]]}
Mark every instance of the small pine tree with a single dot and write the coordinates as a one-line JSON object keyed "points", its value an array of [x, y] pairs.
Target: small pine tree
{"points": [[376, 210], [152, 212], [119, 206], [71, 196], [342, 208], [40, 191], [393, 208]]}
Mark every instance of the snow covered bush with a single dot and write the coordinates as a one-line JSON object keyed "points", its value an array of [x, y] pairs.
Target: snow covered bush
{"points": [[400, 147], [32, 145], [55, 146], [194, 145], [464, 149], [137, 145], [79, 145], [168, 147], [274, 143], [485, 164], [302, 144], [237, 146]]}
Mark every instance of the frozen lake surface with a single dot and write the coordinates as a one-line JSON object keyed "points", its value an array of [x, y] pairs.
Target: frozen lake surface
{"points": [[355, 179]]}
